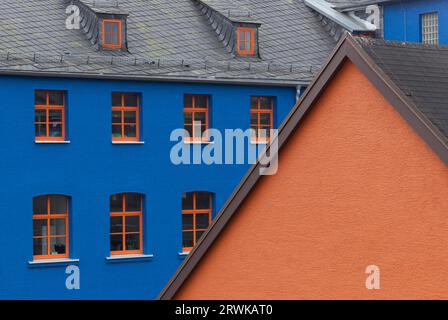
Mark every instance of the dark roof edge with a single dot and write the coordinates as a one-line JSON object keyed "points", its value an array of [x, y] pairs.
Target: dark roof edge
{"points": [[346, 49], [155, 78]]}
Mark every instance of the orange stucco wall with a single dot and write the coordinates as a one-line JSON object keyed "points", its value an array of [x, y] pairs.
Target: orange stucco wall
{"points": [[356, 186]]}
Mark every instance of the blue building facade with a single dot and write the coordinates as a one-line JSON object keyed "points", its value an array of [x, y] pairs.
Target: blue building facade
{"points": [[89, 168], [405, 20], [91, 94]]}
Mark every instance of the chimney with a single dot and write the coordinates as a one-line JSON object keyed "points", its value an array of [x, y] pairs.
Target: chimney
{"points": [[104, 23]]}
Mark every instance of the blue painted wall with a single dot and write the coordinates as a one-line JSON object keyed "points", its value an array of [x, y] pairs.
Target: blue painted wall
{"points": [[90, 169], [402, 19]]}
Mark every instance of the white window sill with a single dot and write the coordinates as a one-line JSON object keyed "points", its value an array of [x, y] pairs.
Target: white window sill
{"points": [[182, 255], [52, 262], [128, 142], [51, 142], [198, 142], [129, 258], [259, 142]]}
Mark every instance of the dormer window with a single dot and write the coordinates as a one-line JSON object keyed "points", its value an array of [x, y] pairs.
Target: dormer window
{"points": [[112, 34], [246, 41]]}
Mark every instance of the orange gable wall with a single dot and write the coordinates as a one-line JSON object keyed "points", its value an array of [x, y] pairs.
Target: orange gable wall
{"points": [[356, 186]]}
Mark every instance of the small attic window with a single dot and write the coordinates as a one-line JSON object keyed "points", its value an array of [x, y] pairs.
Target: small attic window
{"points": [[246, 41], [112, 34]]}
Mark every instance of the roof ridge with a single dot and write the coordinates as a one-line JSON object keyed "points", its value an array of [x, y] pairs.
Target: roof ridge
{"points": [[398, 43]]}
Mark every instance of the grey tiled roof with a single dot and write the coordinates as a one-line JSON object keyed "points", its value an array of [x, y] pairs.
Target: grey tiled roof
{"points": [[165, 39], [420, 71]]}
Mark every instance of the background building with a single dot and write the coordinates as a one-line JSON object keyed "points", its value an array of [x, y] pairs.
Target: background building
{"points": [[416, 21]]}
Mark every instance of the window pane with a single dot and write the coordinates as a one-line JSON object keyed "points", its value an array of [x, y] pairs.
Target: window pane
{"points": [[201, 101], [130, 117], [265, 103], [187, 239], [199, 235], [200, 117], [248, 41], [115, 31], [55, 115], [254, 119], [57, 245], [116, 224], [203, 129], [265, 119], [130, 100], [187, 222], [40, 115], [188, 118], [242, 41], [39, 227], [133, 224], [40, 130], [116, 99], [130, 131], [188, 98], [202, 221], [202, 200], [57, 227], [116, 131], [187, 201], [264, 133], [58, 204], [40, 97], [40, 205], [133, 202], [116, 203], [133, 241], [55, 130], [254, 131], [40, 246], [111, 30], [116, 242], [253, 102], [56, 98], [116, 117], [189, 129]]}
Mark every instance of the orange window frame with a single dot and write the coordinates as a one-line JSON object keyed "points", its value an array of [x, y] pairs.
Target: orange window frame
{"points": [[47, 107], [194, 212], [241, 38], [193, 110], [112, 45], [123, 215], [258, 112], [122, 108], [48, 218]]}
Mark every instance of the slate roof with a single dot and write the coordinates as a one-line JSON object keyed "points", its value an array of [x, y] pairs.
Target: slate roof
{"points": [[166, 39], [419, 70]]}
